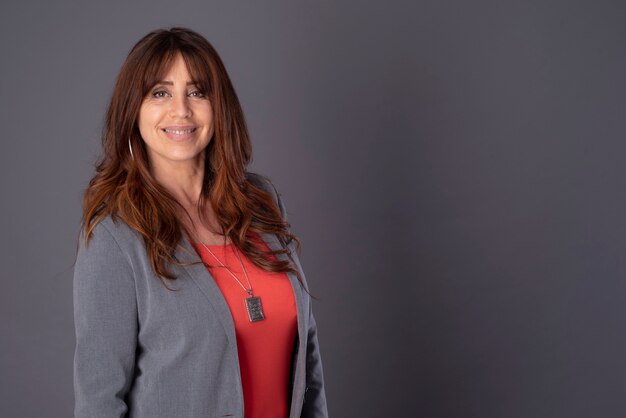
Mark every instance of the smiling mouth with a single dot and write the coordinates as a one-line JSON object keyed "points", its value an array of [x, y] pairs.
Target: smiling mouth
{"points": [[179, 131]]}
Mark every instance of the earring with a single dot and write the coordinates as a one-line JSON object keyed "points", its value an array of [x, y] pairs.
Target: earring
{"points": [[130, 147]]}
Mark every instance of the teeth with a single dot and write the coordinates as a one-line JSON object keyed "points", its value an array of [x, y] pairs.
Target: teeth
{"points": [[179, 132]]}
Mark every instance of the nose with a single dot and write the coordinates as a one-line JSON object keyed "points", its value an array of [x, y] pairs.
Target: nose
{"points": [[179, 107]]}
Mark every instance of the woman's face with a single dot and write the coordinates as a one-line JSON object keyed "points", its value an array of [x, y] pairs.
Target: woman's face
{"points": [[175, 119]]}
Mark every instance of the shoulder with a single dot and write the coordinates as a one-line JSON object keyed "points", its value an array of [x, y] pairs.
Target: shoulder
{"points": [[105, 253], [264, 183], [112, 234], [259, 180], [113, 249]]}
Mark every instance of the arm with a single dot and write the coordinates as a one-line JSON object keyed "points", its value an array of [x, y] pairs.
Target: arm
{"points": [[105, 320], [315, 396]]}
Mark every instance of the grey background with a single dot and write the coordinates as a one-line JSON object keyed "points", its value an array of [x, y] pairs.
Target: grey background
{"points": [[455, 171]]}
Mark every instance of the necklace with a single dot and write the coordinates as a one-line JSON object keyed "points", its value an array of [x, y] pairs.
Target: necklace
{"points": [[253, 303]]}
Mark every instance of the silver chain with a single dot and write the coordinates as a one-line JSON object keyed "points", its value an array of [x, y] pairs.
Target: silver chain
{"points": [[231, 273]]}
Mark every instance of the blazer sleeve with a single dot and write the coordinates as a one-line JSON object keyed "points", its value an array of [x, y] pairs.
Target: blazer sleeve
{"points": [[105, 320], [315, 396]]}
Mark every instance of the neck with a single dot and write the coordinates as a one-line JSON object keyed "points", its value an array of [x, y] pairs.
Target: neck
{"points": [[182, 179]]}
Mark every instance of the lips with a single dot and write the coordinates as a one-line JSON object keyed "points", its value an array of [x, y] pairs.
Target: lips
{"points": [[179, 132], [179, 129]]}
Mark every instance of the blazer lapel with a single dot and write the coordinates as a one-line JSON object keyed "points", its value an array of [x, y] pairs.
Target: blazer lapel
{"points": [[272, 242], [203, 279]]}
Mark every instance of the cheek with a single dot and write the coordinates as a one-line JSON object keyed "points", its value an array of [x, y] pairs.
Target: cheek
{"points": [[147, 119], [206, 112]]}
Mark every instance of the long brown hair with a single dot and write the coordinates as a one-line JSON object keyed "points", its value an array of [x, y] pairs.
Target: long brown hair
{"points": [[123, 185]]}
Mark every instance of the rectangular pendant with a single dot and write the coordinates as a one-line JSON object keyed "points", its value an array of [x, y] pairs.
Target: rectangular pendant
{"points": [[255, 310]]}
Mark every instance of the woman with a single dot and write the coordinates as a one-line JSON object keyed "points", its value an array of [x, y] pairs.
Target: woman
{"points": [[189, 297]]}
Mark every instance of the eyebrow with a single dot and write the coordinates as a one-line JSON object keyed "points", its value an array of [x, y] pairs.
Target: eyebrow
{"points": [[171, 83]]}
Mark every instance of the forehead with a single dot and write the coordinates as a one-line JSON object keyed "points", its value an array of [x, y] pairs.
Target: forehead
{"points": [[176, 70], [176, 66], [170, 69]]}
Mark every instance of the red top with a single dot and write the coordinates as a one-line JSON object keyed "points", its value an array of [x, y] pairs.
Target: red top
{"points": [[265, 347]]}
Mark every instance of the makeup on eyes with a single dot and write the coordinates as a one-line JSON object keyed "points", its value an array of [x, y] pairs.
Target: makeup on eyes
{"points": [[195, 92]]}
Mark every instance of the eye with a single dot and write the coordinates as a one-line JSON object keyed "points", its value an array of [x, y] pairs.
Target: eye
{"points": [[196, 93], [159, 93]]}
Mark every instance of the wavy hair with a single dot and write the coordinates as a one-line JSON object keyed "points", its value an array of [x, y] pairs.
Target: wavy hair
{"points": [[124, 187]]}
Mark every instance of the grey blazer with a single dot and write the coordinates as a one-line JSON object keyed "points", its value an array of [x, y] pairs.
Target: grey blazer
{"points": [[143, 351]]}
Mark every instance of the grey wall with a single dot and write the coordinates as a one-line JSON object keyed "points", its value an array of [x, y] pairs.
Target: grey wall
{"points": [[455, 171]]}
